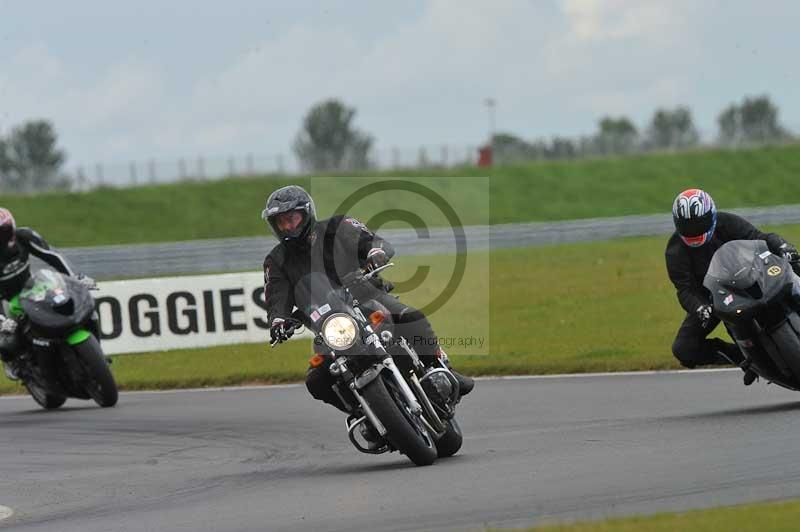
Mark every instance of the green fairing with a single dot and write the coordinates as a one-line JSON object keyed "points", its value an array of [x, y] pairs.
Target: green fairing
{"points": [[14, 308], [78, 336]]}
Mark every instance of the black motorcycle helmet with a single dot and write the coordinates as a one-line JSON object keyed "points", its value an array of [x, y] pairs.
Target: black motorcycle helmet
{"points": [[8, 232], [286, 199]]}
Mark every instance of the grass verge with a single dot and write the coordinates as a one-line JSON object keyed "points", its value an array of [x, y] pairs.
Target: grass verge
{"points": [[762, 517], [577, 189], [573, 308]]}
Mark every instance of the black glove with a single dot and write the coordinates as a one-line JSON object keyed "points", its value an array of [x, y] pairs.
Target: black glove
{"points": [[376, 258], [282, 329], [704, 314], [789, 252]]}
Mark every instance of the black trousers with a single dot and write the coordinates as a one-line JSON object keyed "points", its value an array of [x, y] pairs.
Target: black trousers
{"points": [[693, 348], [409, 322]]}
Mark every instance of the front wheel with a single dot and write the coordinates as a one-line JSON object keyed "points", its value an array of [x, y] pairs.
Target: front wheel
{"points": [[100, 384], [44, 398], [404, 430], [450, 443]]}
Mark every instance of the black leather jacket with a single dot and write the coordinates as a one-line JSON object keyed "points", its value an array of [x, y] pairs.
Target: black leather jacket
{"points": [[337, 246], [15, 267]]}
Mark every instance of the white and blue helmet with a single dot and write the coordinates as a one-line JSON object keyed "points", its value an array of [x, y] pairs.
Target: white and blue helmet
{"points": [[695, 217]]}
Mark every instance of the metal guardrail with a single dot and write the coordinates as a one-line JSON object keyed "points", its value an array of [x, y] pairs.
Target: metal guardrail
{"points": [[243, 254]]}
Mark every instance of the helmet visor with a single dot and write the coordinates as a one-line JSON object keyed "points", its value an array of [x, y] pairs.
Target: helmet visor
{"points": [[695, 226], [289, 224]]}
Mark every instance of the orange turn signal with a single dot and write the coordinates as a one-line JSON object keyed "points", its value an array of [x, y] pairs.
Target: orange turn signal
{"points": [[377, 317], [316, 361]]}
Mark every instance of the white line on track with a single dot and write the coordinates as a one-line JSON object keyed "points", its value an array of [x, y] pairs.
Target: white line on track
{"points": [[5, 512], [487, 378]]}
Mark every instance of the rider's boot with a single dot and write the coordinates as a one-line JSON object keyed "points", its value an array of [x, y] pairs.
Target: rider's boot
{"points": [[465, 384], [749, 377], [733, 354], [8, 347]]}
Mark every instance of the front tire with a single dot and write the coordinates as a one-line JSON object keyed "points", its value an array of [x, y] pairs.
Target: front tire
{"points": [[450, 443], [407, 436], [100, 383], [45, 399]]}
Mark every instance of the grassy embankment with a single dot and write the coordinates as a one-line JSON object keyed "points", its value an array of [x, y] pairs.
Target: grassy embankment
{"points": [[600, 306], [764, 517], [531, 192]]}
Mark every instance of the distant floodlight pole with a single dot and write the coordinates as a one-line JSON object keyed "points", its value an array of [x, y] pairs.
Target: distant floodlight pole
{"points": [[490, 106]]}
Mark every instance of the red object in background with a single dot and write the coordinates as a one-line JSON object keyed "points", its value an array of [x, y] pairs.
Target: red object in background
{"points": [[485, 156]]}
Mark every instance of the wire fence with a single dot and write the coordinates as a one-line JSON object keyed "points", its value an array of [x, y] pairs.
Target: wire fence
{"points": [[427, 157], [152, 171]]}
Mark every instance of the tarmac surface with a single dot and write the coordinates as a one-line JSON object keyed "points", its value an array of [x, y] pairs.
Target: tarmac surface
{"points": [[536, 450]]}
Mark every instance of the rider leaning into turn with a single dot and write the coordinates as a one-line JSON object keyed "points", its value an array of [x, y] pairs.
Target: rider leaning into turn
{"points": [[336, 246], [699, 231], [16, 247]]}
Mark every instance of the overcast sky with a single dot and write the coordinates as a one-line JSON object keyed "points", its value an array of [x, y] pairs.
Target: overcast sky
{"points": [[133, 80]]}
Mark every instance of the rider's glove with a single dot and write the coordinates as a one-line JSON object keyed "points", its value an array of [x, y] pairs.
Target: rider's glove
{"points": [[7, 325], [282, 329], [789, 252], [376, 258], [704, 313], [86, 281]]}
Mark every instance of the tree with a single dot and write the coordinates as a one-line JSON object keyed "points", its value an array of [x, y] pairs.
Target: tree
{"points": [[328, 140], [672, 129], [29, 159], [616, 136], [755, 120], [509, 149]]}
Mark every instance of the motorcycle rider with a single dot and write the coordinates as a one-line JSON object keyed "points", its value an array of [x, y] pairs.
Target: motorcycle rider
{"points": [[699, 231], [336, 246], [16, 246]]}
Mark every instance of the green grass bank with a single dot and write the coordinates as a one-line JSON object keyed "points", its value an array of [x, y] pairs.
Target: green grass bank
{"points": [[531, 192]]}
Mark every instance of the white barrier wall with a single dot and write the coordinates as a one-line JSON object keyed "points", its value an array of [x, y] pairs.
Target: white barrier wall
{"points": [[182, 312]]}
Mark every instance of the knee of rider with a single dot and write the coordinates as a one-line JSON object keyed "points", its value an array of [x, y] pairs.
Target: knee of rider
{"points": [[684, 351], [315, 383]]}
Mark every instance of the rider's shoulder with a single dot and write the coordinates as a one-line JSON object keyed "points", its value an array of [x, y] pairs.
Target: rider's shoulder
{"points": [[674, 244], [28, 235]]}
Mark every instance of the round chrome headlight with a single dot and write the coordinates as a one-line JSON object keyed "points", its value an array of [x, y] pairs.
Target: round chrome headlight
{"points": [[339, 331]]}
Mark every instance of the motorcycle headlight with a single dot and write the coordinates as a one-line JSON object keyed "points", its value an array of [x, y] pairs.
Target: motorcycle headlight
{"points": [[339, 332]]}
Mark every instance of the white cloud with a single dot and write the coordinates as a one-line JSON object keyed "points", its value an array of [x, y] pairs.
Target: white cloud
{"points": [[554, 68]]}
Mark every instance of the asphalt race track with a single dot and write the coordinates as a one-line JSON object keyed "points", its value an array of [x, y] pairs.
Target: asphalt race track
{"points": [[273, 459]]}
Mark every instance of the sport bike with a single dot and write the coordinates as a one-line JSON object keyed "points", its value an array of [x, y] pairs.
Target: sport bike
{"points": [[61, 356], [752, 292]]}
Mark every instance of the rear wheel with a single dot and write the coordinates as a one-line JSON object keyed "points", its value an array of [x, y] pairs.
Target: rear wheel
{"points": [[44, 398], [100, 383], [405, 431], [450, 443]]}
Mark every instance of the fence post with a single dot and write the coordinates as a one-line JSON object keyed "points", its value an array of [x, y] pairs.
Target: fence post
{"points": [[231, 167], [80, 178], [182, 168], [395, 158], [151, 169], [251, 167], [132, 169], [201, 168], [98, 171], [444, 156], [280, 164]]}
